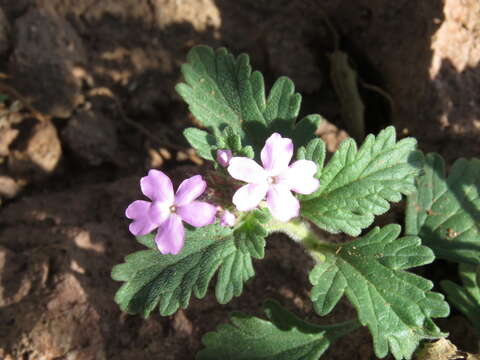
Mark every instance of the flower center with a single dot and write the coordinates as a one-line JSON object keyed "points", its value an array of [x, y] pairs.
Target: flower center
{"points": [[172, 209], [271, 180]]}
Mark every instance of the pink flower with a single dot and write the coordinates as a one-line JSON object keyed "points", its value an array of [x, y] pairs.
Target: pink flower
{"points": [[227, 219], [276, 179], [223, 157], [167, 210]]}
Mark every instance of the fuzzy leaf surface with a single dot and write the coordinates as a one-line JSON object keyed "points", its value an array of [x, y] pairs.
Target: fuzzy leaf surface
{"points": [[397, 306], [168, 281], [356, 185], [445, 211], [201, 141], [221, 90], [282, 337], [466, 298]]}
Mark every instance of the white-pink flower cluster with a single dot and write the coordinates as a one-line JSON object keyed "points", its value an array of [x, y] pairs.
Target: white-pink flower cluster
{"points": [[275, 181]]}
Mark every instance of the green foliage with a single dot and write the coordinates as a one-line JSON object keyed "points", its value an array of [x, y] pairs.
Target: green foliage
{"points": [[397, 306], [467, 297], [314, 151], [358, 184], [283, 337], [222, 91], [152, 279], [230, 140], [201, 141], [207, 144], [444, 212]]}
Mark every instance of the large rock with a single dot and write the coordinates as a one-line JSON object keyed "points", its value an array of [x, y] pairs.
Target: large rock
{"points": [[91, 136], [37, 154], [42, 66]]}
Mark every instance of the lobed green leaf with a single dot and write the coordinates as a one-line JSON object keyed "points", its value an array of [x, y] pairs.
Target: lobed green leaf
{"points": [[282, 337], [168, 281], [356, 185], [445, 211], [201, 141], [222, 91], [397, 306], [466, 298]]}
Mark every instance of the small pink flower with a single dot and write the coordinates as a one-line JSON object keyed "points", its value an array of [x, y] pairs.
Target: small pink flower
{"points": [[223, 157], [167, 210], [227, 219], [276, 179]]}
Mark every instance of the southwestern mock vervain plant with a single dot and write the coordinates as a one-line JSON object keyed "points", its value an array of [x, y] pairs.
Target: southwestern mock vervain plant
{"points": [[245, 127]]}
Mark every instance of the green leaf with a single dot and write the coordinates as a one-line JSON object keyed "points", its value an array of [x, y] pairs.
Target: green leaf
{"points": [[397, 306], [222, 91], [305, 129], [356, 185], [466, 298], [201, 141], [228, 139], [445, 212], [314, 151], [249, 239], [282, 337], [167, 281], [250, 234]]}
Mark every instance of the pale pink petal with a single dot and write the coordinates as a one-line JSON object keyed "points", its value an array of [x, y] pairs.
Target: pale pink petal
{"points": [[157, 186], [276, 154], [245, 169], [189, 190], [249, 196], [282, 204], [224, 157], [142, 226], [197, 213], [227, 219], [299, 177], [170, 236], [159, 212], [138, 209]]}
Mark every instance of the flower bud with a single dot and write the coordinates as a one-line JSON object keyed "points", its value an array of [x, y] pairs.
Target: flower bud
{"points": [[223, 157]]}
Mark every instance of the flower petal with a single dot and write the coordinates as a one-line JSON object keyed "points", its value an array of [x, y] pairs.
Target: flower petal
{"points": [[159, 212], [245, 169], [249, 196], [189, 190], [276, 154], [281, 203], [228, 219], [138, 209], [197, 213], [170, 236], [224, 157], [157, 186], [142, 226], [299, 177]]}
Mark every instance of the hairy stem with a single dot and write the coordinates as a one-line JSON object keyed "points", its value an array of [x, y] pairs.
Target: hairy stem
{"points": [[301, 232]]}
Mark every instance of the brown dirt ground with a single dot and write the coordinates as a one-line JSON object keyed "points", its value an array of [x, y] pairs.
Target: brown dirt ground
{"points": [[98, 70]]}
